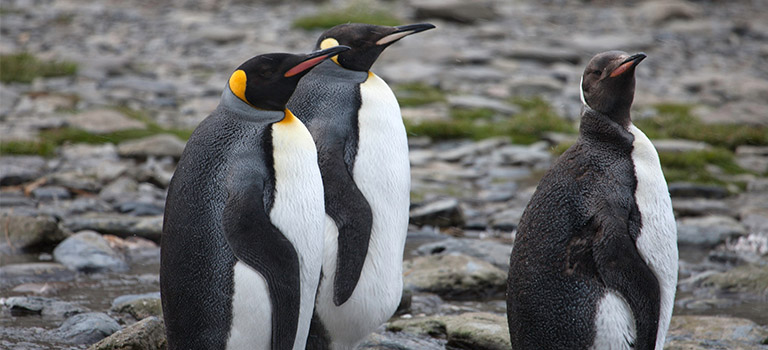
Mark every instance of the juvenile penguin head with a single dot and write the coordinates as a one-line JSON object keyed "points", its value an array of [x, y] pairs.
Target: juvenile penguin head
{"points": [[268, 81], [366, 41], [608, 84]]}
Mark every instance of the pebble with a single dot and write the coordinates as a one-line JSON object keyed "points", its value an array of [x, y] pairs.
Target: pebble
{"points": [[87, 251]]}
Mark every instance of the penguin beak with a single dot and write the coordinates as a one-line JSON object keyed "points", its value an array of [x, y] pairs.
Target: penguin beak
{"points": [[629, 63], [403, 31], [314, 58]]}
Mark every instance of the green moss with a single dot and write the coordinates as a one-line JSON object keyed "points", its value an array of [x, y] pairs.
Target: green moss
{"points": [[692, 166], [536, 118], [24, 67], [418, 94], [45, 149], [356, 12], [676, 121]]}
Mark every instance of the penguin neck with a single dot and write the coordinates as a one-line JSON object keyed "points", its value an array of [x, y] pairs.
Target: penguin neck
{"points": [[597, 126], [234, 104], [333, 69]]}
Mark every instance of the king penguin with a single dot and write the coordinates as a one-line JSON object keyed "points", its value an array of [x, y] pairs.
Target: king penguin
{"points": [[362, 147], [242, 238], [594, 264]]}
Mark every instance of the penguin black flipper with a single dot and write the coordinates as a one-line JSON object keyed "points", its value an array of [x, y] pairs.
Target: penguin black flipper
{"points": [[621, 268], [255, 241], [329, 110]]}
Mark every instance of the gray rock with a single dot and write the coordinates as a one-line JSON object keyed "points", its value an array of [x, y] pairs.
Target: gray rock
{"points": [[492, 252], [141, 84], [119, 189], [441, 213], [679, 146], [542, 54], [702, 207], [471, 101], [454, 11], [158, 145], [17, 170], [221, 34], [753, 158], [659, 12], [691, 190], [473, 330], [21, 232], [76, 180], [628, 42], [42, 306], [401, 341], [522, 155], [714, 332], [102, 121], [66, 208], [147, 334], [34, 272], [141, 308], [507, 220], [15, 199], [138, 208], [149, 227], [47, 193], [86, 328], [748, 279], [134, 297], [708, 230], [454, 276], [87, 251], [535, 86], [79, 151]]}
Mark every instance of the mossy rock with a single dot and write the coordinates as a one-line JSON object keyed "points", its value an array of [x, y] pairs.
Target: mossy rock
{"points": [[751, 279], [473, 330]]}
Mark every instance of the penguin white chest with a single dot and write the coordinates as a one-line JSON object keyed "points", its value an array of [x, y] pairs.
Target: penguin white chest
{"points": [[382, 173], [657, 243]]}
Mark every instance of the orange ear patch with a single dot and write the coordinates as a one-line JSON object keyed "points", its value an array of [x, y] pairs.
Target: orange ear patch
{"points": [[237, 84], [304, 66], [622, 68]]}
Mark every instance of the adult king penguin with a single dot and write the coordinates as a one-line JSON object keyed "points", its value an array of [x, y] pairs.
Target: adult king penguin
{"points": [[243, 228], [594, 264], [355, 121]]}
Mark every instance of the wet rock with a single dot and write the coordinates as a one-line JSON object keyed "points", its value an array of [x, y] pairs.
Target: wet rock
{"points": [[42, 306], [710, 332], [454, 11], [702, 207], [149, 227], [749, 279], [659, 12], [47, 193], [708, 230], [22, 232], [691, 190], [87, 251], [34, 272], [492, 252], [476, 330], [141, 308], [454, 276], [147, 334], [158, 145], [86, 328], [102, 121], [441, 213], [401, 341], [17, 170], [679, 146]]}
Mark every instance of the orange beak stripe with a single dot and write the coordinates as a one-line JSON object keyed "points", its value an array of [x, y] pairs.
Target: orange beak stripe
{"points": [[622, 68], [304, 66]]}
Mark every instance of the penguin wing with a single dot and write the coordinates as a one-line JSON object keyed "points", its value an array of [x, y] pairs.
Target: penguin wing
{"points": [[621, 268], [346, 205], [255, 241]]}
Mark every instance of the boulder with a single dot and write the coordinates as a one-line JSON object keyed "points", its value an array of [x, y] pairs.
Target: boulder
{"points": [[87, 251], [86, 328], [21, 232], [147, 334], [493, 252], [454, 276], [440, 213], [708, 230], [473, 330]]}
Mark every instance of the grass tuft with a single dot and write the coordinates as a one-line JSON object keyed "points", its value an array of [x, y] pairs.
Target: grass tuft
{"points": [[356, 12], [24, 67], [417, 94]]}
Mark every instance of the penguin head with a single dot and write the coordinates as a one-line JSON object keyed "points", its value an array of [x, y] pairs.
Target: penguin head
{"points": [[608, 83], [268, 81], [366, 41]]}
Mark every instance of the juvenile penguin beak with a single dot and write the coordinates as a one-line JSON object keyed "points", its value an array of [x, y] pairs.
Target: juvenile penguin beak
{"points": [[314, 58], [403, 31], [630, 62]]}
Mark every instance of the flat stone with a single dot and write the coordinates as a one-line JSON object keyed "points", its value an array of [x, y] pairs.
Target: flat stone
{"points": [[522, 155], [141, 308], [598, 43], [47, 193], [441, 213], [749, 279], [679, 146], [79, 151], [714, 332], [87, 251], [102, 121], [76, 180], [401, 341], [493, 252], [542, 54], [659, 12], [158, 145], [41, 288], [22, 232], [691, 190], [17, 170], [86, 328], [507, 220], [708, 230], [454, 11], [221, 35], [472, 101], [129, 298], [472, 330], [34, 272], [141, 84], [454, 276], [535, 86], [42, 306], [147, 334], [149, 227], [702, 207]]}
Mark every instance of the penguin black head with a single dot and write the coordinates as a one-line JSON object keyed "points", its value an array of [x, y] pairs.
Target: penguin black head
{"points": [[268, 81], [608, 84], [366, 41]]}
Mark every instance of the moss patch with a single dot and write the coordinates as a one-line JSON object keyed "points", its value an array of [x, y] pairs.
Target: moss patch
{"points": [[355, 12], [417, 94], [24, 67], [676, 121], [534, 119]]}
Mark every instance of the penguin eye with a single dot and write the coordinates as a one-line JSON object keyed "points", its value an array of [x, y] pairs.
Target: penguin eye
{"points": [[598, 72]]}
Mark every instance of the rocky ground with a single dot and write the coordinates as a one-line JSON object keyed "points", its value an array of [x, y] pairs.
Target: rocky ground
{"points": [[81, 217]]}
